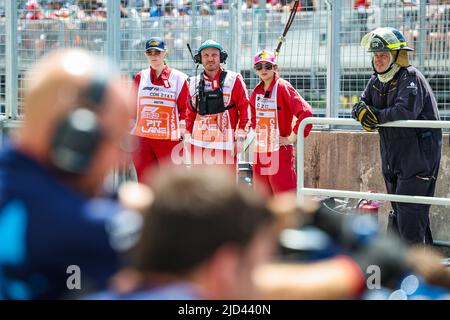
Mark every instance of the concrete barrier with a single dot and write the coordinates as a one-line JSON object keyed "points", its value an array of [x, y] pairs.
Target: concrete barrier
{"points": [[350, 160]]}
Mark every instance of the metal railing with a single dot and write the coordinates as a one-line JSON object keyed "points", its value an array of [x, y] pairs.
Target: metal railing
{"points": [[301, 190]]}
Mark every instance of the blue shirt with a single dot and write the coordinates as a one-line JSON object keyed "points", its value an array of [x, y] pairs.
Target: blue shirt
{"points": [[48, 230]]}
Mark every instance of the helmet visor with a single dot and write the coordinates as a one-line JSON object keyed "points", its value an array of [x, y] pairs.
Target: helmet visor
{"points": [[388, 38]]}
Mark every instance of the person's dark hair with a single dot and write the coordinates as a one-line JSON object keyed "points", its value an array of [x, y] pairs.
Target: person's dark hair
{"points": [[277, 70], [194, 213]]}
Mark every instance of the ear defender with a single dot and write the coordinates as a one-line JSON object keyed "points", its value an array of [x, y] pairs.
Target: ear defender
{"points": [[198, 58], [223, 56], [78, 135]]}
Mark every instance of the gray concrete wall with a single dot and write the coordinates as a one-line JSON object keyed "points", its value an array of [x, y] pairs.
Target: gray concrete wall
{"points": [[351, 161]]}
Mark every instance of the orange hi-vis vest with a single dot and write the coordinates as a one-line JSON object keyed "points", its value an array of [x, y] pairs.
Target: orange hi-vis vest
{"points": [[157, 114], [213, 131], [267, 131]]}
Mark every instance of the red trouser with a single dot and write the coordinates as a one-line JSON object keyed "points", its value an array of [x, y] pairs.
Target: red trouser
{"points": [[221, 158], [153, 153], [275, 172]]}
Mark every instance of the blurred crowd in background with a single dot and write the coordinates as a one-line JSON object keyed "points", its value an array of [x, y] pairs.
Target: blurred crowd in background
{"points": [[62, 9]]}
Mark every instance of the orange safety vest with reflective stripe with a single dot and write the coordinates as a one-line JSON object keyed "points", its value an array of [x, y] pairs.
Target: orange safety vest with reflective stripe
{"points": [[157, 114], [267, 131], [213, 131]]}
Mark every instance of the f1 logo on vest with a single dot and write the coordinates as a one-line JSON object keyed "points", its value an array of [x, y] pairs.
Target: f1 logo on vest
{"points": [[150, 109], [208, 123]]}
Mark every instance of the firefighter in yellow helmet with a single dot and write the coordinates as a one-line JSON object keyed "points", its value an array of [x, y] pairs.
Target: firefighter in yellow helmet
{"points": [[410, 156]]}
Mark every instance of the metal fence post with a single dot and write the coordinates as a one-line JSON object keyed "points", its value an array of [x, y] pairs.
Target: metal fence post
{"points": [[255, 41], [422, 35], [11, 59], [233, 34], [238, 35], [315, 47], [262, 36], [113, 52], [192, 40], [334, 58], [113, 30]]}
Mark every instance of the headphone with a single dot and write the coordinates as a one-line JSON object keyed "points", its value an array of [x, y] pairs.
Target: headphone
{"points": [[78, 135], [223, 56]]}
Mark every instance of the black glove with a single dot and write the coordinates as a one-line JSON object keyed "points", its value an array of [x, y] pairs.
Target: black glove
{"points": [[367, 115]]}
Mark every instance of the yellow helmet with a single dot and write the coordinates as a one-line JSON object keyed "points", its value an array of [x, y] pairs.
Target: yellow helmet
{"points": [[384, 39]]}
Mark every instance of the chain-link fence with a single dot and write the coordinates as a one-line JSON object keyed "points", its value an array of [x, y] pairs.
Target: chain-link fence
{"points": [[425, 25], [243, 27]]}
